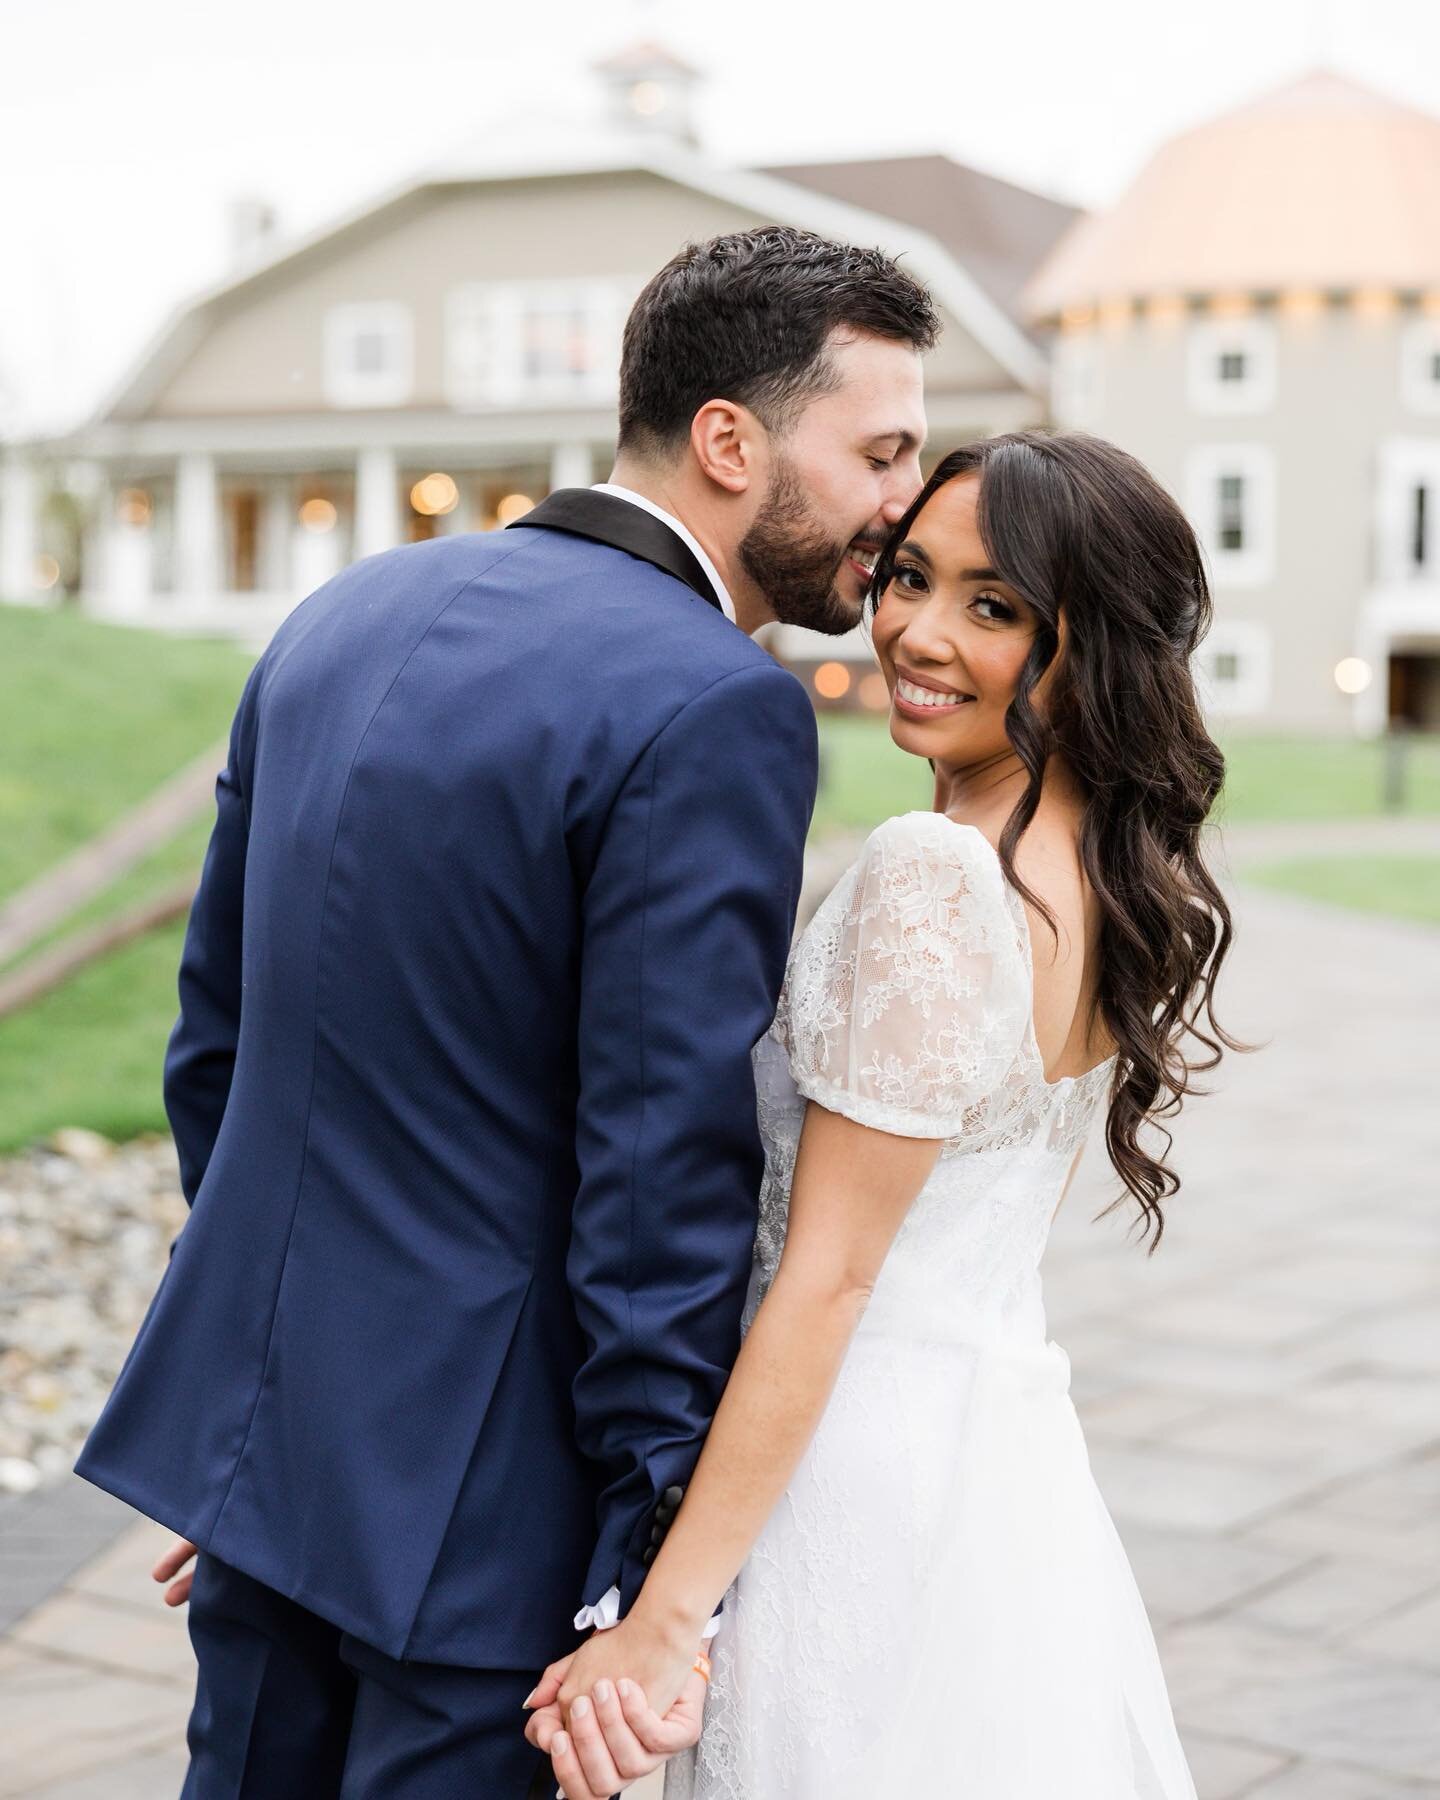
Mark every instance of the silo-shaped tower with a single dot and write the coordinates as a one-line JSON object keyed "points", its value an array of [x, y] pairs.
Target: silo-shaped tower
{"points": [[1258, 319]]}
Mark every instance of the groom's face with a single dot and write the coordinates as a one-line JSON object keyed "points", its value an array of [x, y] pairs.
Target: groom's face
{"points": [[841, 476]]}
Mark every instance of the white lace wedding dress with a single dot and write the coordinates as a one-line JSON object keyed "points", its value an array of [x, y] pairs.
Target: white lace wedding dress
{"points": [[939, 1605]]}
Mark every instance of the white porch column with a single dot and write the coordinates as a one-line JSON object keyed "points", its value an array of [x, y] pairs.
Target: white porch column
{"points": [[19, 538], [571, 465], [377, 501], [197, 529]]}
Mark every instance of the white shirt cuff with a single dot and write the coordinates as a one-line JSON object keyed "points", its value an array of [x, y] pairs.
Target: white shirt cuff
{"points": [[606, 1612]]}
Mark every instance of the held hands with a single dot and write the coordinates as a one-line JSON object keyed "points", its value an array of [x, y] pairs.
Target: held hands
{"points": [[614, 1734]]}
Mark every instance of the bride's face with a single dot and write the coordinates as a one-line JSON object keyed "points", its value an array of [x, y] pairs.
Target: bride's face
{"points": [[951, 637]]}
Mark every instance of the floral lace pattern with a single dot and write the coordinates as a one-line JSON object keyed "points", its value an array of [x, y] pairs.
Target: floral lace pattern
{"points": [[944, 1518]]}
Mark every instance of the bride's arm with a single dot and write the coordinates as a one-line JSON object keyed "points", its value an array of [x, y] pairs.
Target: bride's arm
{"points": [[852, 1188]]}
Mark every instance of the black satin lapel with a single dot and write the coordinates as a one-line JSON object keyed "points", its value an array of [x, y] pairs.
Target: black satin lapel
{"points": [[606, 519]]}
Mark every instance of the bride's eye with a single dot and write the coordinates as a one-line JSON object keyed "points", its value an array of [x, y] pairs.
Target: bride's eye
{"points": [[1003, 612], [909, 578]]}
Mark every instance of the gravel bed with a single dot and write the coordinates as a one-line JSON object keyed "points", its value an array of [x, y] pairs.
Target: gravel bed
{"points": [[85, 1232]]}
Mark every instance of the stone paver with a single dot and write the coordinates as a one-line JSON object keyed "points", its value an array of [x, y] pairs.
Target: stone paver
{"points": [[1263, 1413], [1260, 1398]]}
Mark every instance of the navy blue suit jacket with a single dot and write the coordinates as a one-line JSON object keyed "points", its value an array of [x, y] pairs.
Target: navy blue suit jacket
{"points": [[497, 903]]}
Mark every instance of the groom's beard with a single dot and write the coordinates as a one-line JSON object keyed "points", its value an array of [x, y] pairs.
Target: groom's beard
{"points": [[794, 561]]}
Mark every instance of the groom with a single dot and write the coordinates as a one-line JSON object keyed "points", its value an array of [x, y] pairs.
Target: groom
{"points": [[498, 900]]}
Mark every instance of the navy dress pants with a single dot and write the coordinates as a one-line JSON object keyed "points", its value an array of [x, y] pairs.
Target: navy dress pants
{"points": [[289, 1707]]}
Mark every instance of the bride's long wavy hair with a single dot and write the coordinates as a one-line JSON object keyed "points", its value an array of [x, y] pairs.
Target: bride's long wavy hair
{"points": [[1076, 525]]}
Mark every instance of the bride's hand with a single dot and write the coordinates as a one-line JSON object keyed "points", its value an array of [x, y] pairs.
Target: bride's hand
{"points": [[615, 1737]]}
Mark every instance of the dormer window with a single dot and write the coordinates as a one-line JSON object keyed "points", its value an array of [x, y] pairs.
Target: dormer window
{"points": [[519, 343], [369, 354], [1231, 365]]}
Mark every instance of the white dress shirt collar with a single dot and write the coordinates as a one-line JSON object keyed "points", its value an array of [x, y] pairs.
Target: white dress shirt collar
{"points": [[686, 537]]}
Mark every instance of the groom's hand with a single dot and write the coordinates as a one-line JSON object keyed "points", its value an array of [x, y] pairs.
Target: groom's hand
{"points": [[181, 1552], [615, 1737]]}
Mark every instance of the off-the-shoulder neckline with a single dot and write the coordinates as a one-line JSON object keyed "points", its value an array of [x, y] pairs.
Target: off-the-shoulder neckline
{"points": [[1017, 907]]}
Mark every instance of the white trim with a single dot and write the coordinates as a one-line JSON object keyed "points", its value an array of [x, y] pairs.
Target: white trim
{"points": [[1245, 691], [1253, 563], [392, 323], [1420, 365], [1402, 466], [1208, 343]]}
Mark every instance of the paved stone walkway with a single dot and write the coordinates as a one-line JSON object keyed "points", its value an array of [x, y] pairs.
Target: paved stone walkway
{"points": [[1260, 1399]]}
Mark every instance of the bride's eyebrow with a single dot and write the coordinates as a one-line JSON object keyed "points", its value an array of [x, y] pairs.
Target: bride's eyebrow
{"points": [[911, 548]]}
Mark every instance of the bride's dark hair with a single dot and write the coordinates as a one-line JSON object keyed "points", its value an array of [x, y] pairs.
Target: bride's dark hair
{"points": [[1075, 525]]}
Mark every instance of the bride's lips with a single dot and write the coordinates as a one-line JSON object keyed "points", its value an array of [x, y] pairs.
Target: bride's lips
{"points": [[938, 701]]}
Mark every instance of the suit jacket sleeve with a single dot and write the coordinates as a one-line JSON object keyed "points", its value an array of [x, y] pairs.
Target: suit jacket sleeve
{"points": [[200, 1058], [688, 916]]}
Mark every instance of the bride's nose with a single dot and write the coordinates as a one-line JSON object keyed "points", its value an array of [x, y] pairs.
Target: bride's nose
{"points": [[924, 640]]}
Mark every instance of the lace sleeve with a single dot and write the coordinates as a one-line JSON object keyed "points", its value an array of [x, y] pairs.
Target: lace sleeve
{"points": [[909, 995]]}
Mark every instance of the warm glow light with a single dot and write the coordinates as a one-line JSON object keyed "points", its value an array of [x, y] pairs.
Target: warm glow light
{"points": [[318, 514], [132, 506], [1115, 312], [47, 571], [1166, 309], [874, 695], [1374, 302], [434, 494], [1430, 304], [647, 98], [513, 507], [832, 681], [1353, 675], [1075, 318], [1302, 303], [1231, 306]]}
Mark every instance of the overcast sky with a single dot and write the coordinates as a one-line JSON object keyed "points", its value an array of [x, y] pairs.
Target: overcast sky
{"points": [[126, 128]]}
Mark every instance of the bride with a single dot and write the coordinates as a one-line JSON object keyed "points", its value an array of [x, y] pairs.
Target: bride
{"points": [[922, 1589]]}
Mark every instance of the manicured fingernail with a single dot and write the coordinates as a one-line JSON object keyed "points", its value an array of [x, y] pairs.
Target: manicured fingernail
{"points": [[581, 1708], [626, 1689], [559, 1744], [603, 1692], [529, 1699]]}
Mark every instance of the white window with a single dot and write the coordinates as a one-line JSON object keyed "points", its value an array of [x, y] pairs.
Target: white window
{"points": [[1233, 668], [534, 342], [1420, 365], [1230, 365], [1408, 510], [1230, 497], [369, 354], [1075, 394]]}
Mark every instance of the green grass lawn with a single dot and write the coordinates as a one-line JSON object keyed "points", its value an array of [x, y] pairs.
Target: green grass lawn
{"points": [[1405, 887], [92, 719], [865, 778]]}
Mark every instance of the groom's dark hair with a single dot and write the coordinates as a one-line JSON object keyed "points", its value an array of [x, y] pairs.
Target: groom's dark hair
{"points": [[746, 317]]}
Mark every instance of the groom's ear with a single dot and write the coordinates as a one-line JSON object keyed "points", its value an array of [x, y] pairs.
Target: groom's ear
{"points": [[726, 440]]}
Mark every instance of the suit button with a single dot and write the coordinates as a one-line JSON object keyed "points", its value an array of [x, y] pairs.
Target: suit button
{"points": [[651, 1552], [657, 1534], [672, 1497]]}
